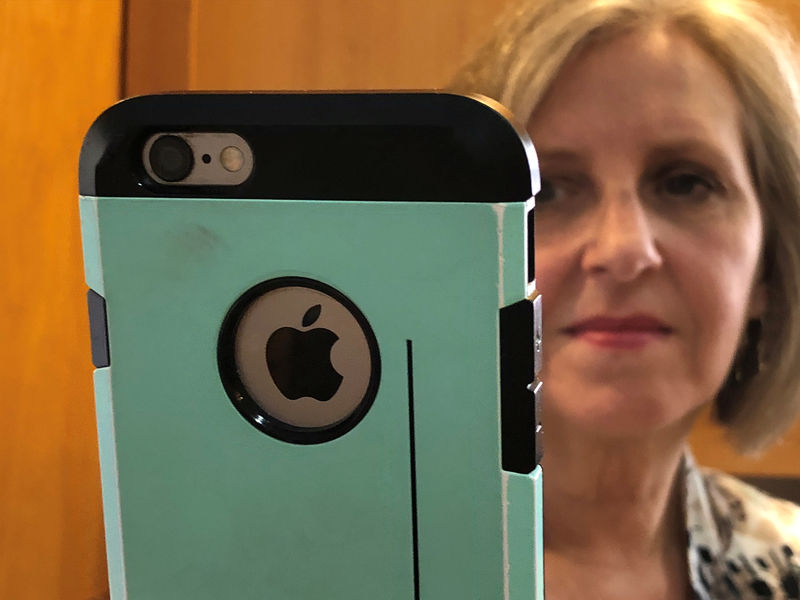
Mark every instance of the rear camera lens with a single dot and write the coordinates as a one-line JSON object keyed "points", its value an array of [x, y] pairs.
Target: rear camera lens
{"points": [[171, 158]]}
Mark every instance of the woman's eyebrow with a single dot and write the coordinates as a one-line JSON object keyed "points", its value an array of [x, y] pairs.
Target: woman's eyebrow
{"points": [[692, 147], [559, 155]]}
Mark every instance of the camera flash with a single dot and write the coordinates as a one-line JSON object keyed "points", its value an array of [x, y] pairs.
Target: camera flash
{"points": [[232, 159]]}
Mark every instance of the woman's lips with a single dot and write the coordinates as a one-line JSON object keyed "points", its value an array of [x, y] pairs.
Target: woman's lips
{"points": [[632, 332]]}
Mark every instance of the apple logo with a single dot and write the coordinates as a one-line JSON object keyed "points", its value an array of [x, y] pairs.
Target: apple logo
{"points": [[300, 361]]}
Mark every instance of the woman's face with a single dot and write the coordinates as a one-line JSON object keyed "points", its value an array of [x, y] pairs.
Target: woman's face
{"points": [[648, 234]]}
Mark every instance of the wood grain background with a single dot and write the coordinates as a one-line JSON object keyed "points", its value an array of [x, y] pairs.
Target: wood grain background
{"points": [[61, 62], [59, 66]]}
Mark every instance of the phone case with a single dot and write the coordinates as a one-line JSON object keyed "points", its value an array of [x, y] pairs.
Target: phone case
{"points": [[320, 383]]}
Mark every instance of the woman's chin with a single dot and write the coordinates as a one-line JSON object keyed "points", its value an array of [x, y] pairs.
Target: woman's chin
{"points": [[616, 414]]}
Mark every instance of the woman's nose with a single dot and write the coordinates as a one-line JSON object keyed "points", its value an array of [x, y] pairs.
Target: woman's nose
{"points": [[621, 242]]}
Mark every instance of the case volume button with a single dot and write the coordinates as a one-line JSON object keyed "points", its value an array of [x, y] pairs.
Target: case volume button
{"points": [[537, 333], [520, 423], [98, 329]]}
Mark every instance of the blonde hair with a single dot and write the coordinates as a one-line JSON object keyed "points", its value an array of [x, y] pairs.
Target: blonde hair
{"points": [[531, 44]]}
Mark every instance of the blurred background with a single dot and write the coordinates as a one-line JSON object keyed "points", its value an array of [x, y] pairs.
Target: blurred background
{"points": [[61, 63]]}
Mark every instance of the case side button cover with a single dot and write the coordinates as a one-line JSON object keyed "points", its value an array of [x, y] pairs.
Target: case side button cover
{"points": [[98, 329], [519, 390]]}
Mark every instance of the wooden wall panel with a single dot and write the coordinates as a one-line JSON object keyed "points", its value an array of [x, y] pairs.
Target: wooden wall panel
{"points": [[157, 46], [59, 64], [711, 449], [300, 44], [333, 44]]}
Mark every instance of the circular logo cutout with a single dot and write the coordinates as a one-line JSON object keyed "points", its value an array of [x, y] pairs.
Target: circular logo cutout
{"points": [[299, 360]]}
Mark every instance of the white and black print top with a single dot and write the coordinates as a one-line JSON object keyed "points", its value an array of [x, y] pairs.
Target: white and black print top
{"points": [[742, 542]]}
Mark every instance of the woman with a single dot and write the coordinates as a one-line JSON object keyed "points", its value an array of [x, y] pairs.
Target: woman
{"points": [[668, 258]]}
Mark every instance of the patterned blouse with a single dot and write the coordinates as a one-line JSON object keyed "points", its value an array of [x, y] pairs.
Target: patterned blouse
{"points": [[742, 542]]}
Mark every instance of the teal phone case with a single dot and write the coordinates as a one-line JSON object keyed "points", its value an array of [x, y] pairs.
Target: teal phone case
{"points": [[405, 498]]}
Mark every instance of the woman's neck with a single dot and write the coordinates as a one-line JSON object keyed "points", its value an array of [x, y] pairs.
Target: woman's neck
{"points": [[613, 502], [614, 517]]}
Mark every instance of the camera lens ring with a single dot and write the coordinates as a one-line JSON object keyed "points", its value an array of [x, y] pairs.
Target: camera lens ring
{"points": [[171, 158]]}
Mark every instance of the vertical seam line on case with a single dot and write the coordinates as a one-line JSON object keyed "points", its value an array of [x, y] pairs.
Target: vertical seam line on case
{"points": [[117, 494], [413, 459], [506, 561], [499, 210], [124, 575]]}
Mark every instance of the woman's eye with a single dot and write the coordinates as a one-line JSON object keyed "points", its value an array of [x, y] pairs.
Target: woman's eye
{"points": [[564, 192], [547, 191], [557, 189], [687, 185]]}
